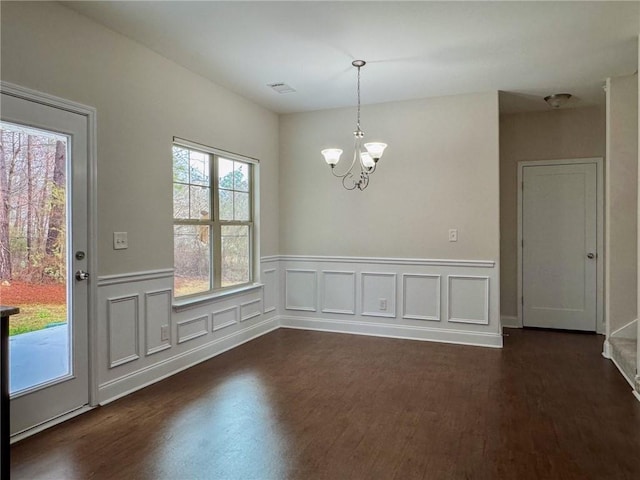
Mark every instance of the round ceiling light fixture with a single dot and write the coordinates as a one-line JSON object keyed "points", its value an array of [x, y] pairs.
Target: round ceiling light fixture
{"points": [[557, 100]]}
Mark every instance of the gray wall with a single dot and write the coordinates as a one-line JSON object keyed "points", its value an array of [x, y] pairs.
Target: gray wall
{"points": [[440, 171], [142, 100], [547, 135], [621, 202]]}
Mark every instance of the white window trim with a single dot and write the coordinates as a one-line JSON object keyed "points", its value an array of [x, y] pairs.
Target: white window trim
{"points": [[187, 301]]}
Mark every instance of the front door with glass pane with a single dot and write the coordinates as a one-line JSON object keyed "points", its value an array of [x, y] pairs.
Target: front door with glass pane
{"points": [[43, 245]]}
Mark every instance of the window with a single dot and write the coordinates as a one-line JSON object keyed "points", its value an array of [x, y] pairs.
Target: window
{"points": [[213, 224]]}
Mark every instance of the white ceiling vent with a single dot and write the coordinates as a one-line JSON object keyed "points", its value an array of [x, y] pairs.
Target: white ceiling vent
{"points": [[281, 87]]}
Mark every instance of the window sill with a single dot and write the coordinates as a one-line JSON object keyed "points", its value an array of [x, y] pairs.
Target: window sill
{"points": [[193, 302]]}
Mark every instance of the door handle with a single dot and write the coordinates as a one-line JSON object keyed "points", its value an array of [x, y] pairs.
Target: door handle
{"points": [[82, 275], [591, 256]]}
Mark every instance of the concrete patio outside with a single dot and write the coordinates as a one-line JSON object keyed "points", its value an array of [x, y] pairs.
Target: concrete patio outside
{"points": [[38, 357]]}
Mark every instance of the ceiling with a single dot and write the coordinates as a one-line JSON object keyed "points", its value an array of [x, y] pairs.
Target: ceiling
{"points": [[413, 49]]}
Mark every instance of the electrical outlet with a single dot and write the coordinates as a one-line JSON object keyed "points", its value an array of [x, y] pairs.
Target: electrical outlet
{"points": [[453, 235], [382, 304], [164, 333], [120, 241]]}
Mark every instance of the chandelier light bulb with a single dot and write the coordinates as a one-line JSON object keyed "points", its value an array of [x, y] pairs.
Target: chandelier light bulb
{"points": [[331, 156], [375, 149], [367, 160]]}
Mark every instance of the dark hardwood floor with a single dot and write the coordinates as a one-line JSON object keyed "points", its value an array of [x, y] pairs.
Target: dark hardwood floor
{"points": [[310, 405]]}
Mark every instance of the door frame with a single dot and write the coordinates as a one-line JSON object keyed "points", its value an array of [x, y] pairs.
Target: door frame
{"points": [[600, 264], [92, 230]]}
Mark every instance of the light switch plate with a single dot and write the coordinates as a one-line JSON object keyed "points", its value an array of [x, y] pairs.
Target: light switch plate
{"points": [[453, 235], [120, 241]]}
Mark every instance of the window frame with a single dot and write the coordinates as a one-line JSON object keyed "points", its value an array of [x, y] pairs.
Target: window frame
{"points": [[214, 222]]}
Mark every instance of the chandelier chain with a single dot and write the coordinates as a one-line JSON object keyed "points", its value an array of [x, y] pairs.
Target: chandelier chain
{"points": [[358, 122]]}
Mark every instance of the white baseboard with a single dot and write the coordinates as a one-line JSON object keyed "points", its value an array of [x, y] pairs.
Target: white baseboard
{"points": [[441, 335], [606, 350], [510, 321], [114, 389], [50, 423]]}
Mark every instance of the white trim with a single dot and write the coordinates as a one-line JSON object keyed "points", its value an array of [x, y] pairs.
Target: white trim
{"points": [[323, 292], [136, 355], [390, 314], [251, 315], [234, 308], [606, 350], [487, 318], [168, 343], [270, 258], [119, 278], [315, 290], [390, 261], [92, 212], [266, 272], [510, 321], [598, 161], [194, 335], [404, 296], [194, 302], [441, 335], [215, 151], [18, 437], [122, 386]]}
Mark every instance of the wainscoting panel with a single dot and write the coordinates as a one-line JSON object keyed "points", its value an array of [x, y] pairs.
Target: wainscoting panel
{"points": [[192, 328], [133, 308], [421, 296], [224, 318], [378, 294], [301, 290], [468, 299], [250, 309], [123, 315], [339, 292], [270, 290], [157, 315], [440, 300]]}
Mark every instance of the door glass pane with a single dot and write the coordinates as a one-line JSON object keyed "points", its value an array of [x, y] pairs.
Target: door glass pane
{"points": [[235, 255], [191, 259], [33, 253]]}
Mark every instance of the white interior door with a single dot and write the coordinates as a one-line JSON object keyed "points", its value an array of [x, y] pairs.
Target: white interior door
{"points": [[46, 150], [559, 248]]}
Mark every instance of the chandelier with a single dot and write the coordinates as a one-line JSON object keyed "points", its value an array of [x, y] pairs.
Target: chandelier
{"points": [[366, 155]]}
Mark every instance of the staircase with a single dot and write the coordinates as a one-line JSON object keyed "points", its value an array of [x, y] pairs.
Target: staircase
{"points": [[624, 353]]}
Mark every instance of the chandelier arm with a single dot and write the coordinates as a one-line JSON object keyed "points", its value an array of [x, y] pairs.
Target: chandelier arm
{"points": [[349, 170], [354, 184]]}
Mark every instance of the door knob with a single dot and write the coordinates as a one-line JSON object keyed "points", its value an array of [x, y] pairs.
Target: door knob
{"points": [[82, 275], [591, 255]]}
